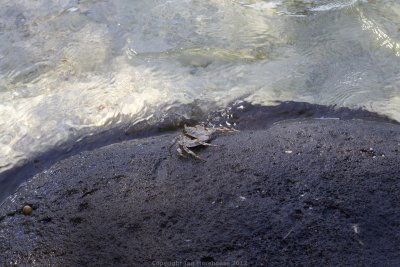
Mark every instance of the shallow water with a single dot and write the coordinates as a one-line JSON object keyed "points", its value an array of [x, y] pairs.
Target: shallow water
{"points": [[69, 69]]}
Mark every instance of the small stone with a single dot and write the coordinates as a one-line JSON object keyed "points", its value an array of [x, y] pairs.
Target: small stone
{"points": [[26, 210]]}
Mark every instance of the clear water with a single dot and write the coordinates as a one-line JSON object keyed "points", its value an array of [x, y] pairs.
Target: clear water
{"points": [[72, 68]]}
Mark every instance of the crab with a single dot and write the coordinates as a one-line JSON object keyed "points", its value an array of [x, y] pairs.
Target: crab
{"points": [[196, 136]]}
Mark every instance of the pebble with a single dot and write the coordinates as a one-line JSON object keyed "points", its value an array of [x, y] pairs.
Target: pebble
{"points": [[26, 210]]}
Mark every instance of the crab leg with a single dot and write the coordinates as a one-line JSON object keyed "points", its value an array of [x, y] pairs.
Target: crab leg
{"points": [[190, 152], [180, 152], [172, 144], [204, 143], [226, 130]]}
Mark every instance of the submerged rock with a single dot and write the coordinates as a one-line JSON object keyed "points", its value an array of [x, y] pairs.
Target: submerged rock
{"points": [[332, 201]]}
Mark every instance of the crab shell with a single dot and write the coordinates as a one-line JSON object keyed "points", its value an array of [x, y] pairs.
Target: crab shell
{"points": [[189, 142], [199, 132], [203, 133]]}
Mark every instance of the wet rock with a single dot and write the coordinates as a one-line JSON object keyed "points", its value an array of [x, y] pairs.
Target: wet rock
{"points": [[330, 202]]}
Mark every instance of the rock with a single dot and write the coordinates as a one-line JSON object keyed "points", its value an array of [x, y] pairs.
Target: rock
{"points": [[333, 201]]}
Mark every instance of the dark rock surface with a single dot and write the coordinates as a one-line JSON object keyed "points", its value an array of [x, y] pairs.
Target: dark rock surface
{"points": [[242, 114], [308, 193]]}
